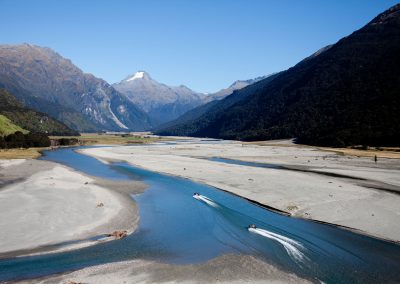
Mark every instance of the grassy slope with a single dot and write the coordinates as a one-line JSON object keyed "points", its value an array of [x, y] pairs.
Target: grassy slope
{"points": [[7, 127]]}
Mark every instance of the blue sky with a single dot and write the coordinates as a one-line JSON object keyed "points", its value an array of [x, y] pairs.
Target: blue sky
{"points": [[205, 45]]}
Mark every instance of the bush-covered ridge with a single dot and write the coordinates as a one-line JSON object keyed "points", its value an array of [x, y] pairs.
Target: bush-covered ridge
{"points": [[30, 120], [348, 94]]}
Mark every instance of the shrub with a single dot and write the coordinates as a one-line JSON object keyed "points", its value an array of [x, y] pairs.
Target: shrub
{"points": [[20, 140]]}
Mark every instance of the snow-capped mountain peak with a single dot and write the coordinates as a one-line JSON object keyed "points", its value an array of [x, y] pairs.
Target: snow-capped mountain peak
{"points": [[137, 75], [160, 101]]}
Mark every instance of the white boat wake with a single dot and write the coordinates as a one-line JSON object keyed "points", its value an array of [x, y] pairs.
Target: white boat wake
{"points": [[205, 200], [292, 247]]}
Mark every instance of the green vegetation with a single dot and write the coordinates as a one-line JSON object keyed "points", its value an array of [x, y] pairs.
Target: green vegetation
{"points": [[28, 119], [7, 127], [21, 140]]}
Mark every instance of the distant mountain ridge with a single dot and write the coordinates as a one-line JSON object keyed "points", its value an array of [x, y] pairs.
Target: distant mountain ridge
{"points": [[237, 85], [45, 81], [344, 94], [211, 103], [161, 102]]}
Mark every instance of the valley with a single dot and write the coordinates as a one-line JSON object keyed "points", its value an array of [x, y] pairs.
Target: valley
{"points": [[249, 143]]}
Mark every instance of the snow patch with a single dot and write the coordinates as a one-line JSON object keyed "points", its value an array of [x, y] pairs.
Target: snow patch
{"points": [[138, 75]]}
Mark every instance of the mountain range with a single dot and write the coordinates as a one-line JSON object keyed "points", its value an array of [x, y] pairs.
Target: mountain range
{"points": [[44, 81], [344, 94]]}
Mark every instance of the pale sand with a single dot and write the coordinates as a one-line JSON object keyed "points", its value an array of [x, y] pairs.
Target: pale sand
{"points": [[11, 162], [224, 269], [55, 204], [342, 201]]}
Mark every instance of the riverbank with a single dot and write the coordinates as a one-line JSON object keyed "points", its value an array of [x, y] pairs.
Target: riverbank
{"points": [[349, 191], [224, 269], [84, 139], [30, 153], [44, 204], [112, 138]]}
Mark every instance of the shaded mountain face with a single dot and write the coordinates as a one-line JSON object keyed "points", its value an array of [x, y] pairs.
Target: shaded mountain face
{"points": [[45, 81], [212, 104], [161, 102], [345, 94], [29, 119]]}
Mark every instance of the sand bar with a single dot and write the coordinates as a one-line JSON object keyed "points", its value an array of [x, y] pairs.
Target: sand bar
{"points": [[224, 269], [55, 204]]}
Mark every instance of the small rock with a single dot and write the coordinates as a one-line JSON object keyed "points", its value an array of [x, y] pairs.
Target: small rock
{"points": [[292, 207], [118, 234]]}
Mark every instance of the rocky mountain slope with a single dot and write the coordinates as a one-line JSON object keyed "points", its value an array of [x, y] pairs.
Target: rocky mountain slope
{"points": [[45, 81], [345, 94], [161, 102]]}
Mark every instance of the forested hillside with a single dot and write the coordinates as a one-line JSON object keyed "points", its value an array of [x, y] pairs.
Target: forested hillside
{"points": [[26, 119], [345, 94]]}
